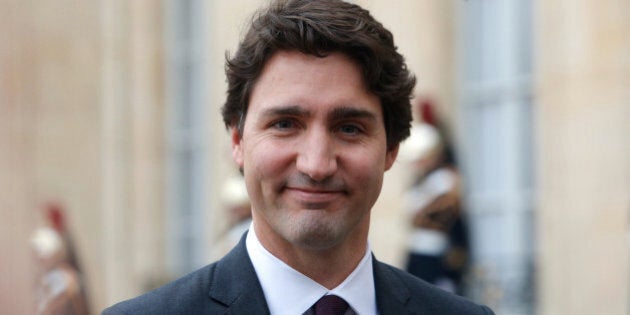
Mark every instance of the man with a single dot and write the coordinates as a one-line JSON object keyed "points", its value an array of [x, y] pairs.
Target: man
{"points": [[318, 102]]}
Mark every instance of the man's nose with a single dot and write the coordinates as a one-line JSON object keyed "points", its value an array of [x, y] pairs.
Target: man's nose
{"points": [[317, 155]]}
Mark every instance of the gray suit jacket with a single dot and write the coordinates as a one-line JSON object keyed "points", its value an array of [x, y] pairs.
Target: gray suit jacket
{"points": [[230, 286]]}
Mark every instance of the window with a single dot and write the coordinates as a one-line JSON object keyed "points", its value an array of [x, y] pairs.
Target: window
{"points": [[495, 106], [186, 121]]}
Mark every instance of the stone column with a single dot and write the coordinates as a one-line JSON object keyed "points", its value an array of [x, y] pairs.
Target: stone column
{"points": [[583, 155]]}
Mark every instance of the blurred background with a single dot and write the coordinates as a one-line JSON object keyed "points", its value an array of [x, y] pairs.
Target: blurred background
{"points": [[110, 134]]}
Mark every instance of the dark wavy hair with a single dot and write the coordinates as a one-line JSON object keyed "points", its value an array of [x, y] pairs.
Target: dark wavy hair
{"points": [[319, 28]]}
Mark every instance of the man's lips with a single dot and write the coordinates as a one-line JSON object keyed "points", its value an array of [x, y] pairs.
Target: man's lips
{"points": [[315, 195], [316, 190]]}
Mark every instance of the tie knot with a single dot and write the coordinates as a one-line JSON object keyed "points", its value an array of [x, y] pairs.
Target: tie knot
{"points": [[331, 305]]}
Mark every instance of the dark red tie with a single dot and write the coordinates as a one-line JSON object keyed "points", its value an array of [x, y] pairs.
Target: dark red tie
{"points": [[331, 305]]}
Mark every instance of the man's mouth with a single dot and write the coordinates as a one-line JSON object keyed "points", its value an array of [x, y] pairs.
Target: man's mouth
{"points": [[314, 196]]}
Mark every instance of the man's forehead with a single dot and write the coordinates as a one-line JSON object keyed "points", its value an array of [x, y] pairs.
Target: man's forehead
{"points": [[302, 85]]}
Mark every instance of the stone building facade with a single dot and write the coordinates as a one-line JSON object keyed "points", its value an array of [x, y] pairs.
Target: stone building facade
{"points": [[94, 116]]}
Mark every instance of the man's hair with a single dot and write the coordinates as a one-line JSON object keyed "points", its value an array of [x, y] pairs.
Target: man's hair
{"points": [[319, 28]]}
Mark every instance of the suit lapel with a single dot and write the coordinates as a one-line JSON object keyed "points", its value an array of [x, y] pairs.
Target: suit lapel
{"points": [[391, 294], [235, 284]]}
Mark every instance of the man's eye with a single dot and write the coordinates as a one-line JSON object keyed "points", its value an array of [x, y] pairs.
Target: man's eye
{"points": [[350, 129], [284, 124]]}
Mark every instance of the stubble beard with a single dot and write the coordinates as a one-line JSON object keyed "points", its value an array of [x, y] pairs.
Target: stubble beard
{"points": [[318, 229], [313, 226]]}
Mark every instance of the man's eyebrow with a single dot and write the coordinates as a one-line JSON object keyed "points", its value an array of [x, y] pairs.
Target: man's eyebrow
{"points": [[291, 110], [340, 113], [350, 112]]}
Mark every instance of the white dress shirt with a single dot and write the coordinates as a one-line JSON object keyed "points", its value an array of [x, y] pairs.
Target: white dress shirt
{"points": [[289, 292]]}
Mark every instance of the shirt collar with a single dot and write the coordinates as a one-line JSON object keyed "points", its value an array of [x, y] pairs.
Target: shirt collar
{"points": [[289, 292]]}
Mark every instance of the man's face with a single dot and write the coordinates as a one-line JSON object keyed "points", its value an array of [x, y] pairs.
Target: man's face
{"points": [[313, 151]]}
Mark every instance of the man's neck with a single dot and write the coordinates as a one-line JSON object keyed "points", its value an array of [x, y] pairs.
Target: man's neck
{"points": [[328, 266]]}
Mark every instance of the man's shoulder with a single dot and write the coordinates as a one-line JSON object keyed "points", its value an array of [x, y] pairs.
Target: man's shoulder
{"points": [[184, 295], [422, 295], [228, 283]]}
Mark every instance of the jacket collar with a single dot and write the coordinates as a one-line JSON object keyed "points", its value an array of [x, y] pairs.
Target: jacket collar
{"points": [[391, 293], [235, 283]]}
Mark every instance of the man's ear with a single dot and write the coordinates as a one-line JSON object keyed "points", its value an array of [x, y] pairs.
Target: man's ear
{"points": [[237, 149], [390, 157]]}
